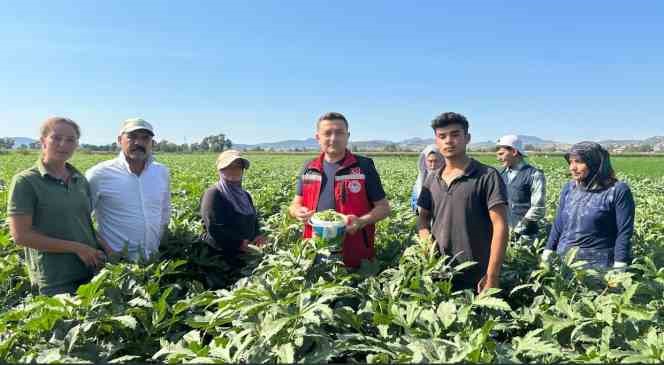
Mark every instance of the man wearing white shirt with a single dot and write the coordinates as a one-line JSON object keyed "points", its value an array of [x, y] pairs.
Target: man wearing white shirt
{"points": [[526, 187], [131, 194]]}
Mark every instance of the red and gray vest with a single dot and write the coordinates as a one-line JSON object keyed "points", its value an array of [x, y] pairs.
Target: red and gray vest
{"points": [[350, 197]]}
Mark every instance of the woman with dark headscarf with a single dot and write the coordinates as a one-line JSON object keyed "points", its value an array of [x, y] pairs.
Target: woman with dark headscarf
{"points": [[430, 160], [596, 211], [228, 213]]}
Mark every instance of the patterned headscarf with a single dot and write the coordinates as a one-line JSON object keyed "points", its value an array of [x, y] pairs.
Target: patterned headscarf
{"points": [[601, 174], [238, 197]]}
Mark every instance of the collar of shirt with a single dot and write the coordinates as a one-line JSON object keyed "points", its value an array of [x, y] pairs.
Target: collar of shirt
{"points": [[75, 174], [518, 166], [122, 159], [467, 172]]}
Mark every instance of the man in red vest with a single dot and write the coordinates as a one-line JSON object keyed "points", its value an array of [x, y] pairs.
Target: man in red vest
{"points": [[347, 183]]}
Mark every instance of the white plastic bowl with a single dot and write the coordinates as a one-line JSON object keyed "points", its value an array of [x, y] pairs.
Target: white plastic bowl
{"points": [[327, 230]]}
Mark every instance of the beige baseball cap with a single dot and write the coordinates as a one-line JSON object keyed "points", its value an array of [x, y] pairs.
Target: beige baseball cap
{"points": [[228, 157], [134, 124]]}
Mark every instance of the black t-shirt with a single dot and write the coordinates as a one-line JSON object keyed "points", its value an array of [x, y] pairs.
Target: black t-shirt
{"points": [[461, 222], [374, 186]]}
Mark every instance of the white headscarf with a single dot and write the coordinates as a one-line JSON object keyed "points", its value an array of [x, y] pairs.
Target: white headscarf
{"points": [[422, 166]]}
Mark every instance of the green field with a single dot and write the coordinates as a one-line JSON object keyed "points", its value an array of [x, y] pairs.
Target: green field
{"points": [[288, 305]]}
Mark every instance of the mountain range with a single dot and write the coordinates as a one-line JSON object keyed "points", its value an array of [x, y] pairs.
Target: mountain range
{"points": [[632, 142], [22, 141], [414, 144], [417, 144]]}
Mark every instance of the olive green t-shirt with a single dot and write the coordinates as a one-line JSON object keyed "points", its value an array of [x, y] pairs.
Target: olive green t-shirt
{"points": [[59, 210]]}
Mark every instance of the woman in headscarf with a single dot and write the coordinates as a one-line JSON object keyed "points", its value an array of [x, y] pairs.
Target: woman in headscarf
{"points": [[228, 212], [430, 160], [596, 211]]}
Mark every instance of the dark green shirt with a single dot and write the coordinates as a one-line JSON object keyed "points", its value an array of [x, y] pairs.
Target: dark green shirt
{"points": [[59, 210]]}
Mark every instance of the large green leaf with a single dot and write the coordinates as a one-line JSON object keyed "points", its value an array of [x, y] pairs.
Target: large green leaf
{"points": [[125, 321], [447, 313], [532, 345], [286, 354], [272, 327], [486, 301]]}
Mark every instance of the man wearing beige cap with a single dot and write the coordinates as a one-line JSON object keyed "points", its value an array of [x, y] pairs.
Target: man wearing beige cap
{"points": [[526, 187], [131, 194]]}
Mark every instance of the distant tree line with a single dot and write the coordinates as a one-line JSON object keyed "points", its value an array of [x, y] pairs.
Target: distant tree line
{"points": [[640, 148], [213, 143], [6, 143], [220, 142]]}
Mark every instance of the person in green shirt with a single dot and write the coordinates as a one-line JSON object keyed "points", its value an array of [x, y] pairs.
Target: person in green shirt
{"points": [[49, 215]]}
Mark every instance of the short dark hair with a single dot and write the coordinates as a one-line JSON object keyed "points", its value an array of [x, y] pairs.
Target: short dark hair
{"points": [[449, 118], [332, 116]]}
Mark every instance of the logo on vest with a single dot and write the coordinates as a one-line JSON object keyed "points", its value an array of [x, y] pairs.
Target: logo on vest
{"points": [[356, 171], [354, 186]]}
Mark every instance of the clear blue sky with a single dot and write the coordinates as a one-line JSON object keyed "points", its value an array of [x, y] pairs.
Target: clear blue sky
{"points": [[263, 71]]}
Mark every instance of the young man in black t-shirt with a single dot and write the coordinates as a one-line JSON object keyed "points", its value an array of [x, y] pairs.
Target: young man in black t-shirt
{"points": [[467, 201]]}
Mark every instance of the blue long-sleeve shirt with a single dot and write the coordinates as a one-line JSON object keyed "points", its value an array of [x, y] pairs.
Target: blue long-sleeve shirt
{"points": [[600, 223]]}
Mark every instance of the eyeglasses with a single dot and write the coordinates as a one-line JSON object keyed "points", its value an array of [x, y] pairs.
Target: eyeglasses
{"points": [[56, 138]]}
